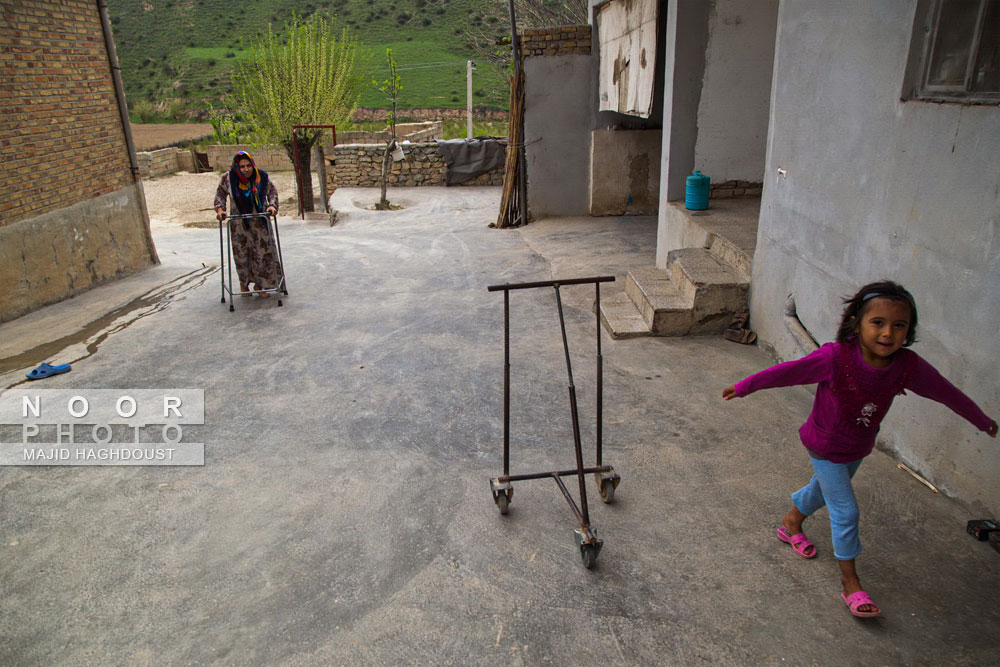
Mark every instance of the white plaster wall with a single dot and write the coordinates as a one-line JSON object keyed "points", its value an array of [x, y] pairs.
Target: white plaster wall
{"points": [[879, 188], [557, 114], [736, 92]]}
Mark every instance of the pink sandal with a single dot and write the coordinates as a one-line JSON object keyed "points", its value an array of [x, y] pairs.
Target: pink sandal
{"points": [[856, 600], [800, 543]]}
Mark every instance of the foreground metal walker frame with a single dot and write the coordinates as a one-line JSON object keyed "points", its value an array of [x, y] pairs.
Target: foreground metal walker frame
{"points": [[605, 476], [226, 255]]}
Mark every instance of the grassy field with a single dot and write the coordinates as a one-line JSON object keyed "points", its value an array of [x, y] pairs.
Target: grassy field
{"points": [[185, 49]]}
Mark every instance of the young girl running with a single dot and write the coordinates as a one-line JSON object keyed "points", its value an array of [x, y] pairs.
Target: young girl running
{"points": [[858, 376]]}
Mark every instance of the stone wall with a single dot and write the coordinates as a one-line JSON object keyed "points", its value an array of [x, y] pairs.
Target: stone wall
{"points": [[164, 161], [557, 41], [360, 165], [417, 133], [269, 158]]}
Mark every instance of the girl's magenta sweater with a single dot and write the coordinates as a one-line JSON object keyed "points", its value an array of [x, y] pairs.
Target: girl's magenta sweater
{"points": [[831, 434]]}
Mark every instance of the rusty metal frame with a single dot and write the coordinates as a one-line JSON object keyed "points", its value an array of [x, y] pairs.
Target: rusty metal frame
{"points": [[605, 475]]}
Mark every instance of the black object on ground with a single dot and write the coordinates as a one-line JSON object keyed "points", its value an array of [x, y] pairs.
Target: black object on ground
{"points": [[982, 528], [607, 479]]}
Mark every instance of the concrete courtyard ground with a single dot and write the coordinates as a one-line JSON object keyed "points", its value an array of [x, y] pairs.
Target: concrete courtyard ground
{"points": [[343, 514]]}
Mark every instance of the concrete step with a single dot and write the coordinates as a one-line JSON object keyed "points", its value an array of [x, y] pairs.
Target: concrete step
{"points": [[664, 308], [621, 318], [716, 287], [732, 254]]}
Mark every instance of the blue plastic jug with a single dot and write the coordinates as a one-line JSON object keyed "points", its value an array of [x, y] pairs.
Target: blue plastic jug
{"points": [[696, 193]]}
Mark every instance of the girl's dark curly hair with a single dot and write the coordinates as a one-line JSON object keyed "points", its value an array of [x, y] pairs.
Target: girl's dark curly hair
{"points": [[854, 308]]}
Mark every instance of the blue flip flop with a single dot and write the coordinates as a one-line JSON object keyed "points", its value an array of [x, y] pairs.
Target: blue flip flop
{"points": [[44, 370]]}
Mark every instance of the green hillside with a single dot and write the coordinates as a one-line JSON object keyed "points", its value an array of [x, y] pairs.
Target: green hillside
{"points": [[182, 51]]}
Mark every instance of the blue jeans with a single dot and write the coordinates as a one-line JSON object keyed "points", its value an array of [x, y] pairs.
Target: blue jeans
{"points": [[831, 486]]}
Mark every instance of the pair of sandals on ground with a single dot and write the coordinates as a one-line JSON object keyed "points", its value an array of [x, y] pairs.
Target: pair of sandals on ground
{"points": [[855, 601]]}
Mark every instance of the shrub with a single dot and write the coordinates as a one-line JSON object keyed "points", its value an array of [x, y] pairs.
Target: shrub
{"points": [[143, 111], [175, 111]]}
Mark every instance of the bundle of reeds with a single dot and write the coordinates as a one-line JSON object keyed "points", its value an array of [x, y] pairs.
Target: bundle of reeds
{"points": [[513, 211]]}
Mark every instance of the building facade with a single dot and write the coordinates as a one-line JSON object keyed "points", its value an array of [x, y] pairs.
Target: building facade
{"points": [[72, 210]]}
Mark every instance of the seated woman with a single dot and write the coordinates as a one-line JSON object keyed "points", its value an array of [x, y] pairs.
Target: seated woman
{"points": [[250, 191]]}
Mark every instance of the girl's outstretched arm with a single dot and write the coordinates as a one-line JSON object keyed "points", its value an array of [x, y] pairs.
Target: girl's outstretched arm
{"points": [[926, 381], [815, 367]]}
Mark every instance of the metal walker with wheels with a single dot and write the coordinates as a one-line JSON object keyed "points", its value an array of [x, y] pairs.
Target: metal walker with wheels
{"points": [[605, 476], [226, 255]]}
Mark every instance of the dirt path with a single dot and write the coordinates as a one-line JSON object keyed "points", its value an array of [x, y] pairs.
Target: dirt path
{"points": [[149, 136], [184, 199]]}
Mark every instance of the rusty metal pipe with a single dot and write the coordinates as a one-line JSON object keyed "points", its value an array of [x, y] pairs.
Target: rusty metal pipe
{"points": [[116, 79], [560, 473], [506, 383], [550, 283]]}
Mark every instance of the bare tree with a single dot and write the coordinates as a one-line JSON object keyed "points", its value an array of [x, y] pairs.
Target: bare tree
{"points": [[390, 87], [488, 34]]}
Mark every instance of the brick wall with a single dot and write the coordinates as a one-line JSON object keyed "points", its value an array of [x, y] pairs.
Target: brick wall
{"points": [[557, 41], [360, 165], [61, 139], [735, 189]]}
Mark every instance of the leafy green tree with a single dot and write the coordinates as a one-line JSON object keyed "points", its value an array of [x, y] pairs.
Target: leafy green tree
{"points": [[310, 76], [226, 130]]}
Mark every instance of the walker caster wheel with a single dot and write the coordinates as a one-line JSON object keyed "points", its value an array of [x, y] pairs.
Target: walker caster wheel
{"points": [[606, 484], [279, 302], [607, 491], [231, 309], [588, 550], [285, 292], [503, 492], [223, 299]]}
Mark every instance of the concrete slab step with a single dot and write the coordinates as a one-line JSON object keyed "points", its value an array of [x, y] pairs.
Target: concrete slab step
{"points": [[664, 308], [715, 286], [732, 254], [621, 318]]}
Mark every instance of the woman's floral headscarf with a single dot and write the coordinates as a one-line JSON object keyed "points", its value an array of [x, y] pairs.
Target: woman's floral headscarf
{"points": [[249, 187]]}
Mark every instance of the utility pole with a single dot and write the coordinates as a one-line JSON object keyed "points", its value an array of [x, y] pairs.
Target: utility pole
{"points": [[469, 66]]}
